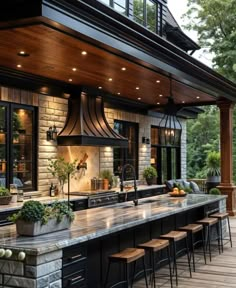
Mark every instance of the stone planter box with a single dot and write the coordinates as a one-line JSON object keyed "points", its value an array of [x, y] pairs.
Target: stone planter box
{"points": [[34, 229]]}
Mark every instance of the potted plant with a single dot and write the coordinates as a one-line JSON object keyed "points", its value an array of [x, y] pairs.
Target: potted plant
{"points": [[62, 170], [5, 196], [35, 218], [213, 169], [149, 173], [106, 175]]}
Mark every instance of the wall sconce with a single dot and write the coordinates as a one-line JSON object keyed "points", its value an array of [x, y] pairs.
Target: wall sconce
{"points": [[152, 161], [145, 140], [52, 133]]}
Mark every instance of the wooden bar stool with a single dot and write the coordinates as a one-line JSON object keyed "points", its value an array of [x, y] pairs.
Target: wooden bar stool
{"points": [[153, 247], [221, 217], [192, 229], [208, 223], [126, 257], [173, 237]]}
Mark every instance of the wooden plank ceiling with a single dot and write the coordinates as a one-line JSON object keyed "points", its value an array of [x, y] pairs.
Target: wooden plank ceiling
{"points": [[55, 55]]}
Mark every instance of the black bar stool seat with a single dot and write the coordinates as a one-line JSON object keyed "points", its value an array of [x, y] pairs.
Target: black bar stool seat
{"points": [[222, 216], [153, 246], [127, 256], [192, 229], [173, 237]]}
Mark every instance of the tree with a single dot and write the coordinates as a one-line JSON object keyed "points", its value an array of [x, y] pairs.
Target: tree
{"points": [[201, 141], [215, 22]]}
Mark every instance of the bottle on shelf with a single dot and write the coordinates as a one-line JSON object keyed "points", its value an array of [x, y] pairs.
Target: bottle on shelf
{"points": [[15, 165], [52, 190]]}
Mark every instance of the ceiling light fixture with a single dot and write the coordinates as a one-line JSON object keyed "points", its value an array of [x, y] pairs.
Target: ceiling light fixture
{"points": [[109, 79], [118, 93], [123, 68], [23, 54], [84, 53], [100, 87], [18, 65], [139, 98], [198, 97], [158, 81], [74, 69], [137, 88], [160, 95], [70, 80], [170, 127]]}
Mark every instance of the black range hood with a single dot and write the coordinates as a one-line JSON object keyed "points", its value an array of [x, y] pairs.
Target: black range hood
{"points": [[86, 124]]}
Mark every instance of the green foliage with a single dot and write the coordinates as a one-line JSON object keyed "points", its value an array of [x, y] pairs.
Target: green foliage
{"points": [[33, 211], [214, 21], [203, 137], [213, 163], [214, 191], [149, 172], [188, 190], [4, 191], [61, 169], [106, 174]]}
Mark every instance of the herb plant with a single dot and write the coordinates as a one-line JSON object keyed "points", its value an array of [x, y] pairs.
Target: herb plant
{"points": [[150, 172], [33, 211], [4, 191]]}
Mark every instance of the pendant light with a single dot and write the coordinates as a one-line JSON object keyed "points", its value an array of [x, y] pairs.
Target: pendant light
{"points": [[170, 128]]}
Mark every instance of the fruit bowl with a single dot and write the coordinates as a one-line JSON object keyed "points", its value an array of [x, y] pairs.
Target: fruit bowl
{"points": [[174, 194]]}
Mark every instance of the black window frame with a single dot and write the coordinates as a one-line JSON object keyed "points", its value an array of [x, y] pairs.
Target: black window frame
{"points": [[125, 160]]}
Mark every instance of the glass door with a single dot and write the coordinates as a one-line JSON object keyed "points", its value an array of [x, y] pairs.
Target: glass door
{"points": [[3, 144], [22, 153]]}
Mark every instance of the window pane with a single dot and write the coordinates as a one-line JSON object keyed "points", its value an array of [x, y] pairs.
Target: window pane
{"points": [[164, 165], [139, 11], [120, 2], [154, 136], [107, 2], [151, 15], [173, 164]]}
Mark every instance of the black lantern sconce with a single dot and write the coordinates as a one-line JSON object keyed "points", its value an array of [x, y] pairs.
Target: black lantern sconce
{"points": [[170, 127], [145, 140], [52, 133]]}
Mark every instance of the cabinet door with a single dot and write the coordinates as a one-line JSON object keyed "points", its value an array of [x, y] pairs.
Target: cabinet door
{"points": [[23, 147]]}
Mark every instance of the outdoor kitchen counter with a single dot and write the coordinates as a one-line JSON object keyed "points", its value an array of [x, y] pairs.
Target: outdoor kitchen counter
{"points": [[94, 223]]}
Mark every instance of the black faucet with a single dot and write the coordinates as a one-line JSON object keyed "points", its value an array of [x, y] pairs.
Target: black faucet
{"points": [[135, 184]]}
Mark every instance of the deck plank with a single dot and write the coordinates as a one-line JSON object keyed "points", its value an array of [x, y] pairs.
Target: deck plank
{"points": [[219, 273]]}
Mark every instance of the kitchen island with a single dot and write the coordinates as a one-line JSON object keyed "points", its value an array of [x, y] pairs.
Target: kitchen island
{"points": [[64, 259]]}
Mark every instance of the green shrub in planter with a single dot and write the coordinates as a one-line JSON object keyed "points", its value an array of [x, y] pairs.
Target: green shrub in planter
{"points": [[149, 173], [4, 191], [214, 191]]}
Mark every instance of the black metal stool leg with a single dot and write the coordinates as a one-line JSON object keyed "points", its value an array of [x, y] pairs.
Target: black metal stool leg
{"points": [[203, 246], [218, 236], [209, 240], [108, 271], [132, 281], [145, 272], [192, 252], [229, 229], [189, 263], [169, 262], [153, 270], [127, 274], [175, 264]]}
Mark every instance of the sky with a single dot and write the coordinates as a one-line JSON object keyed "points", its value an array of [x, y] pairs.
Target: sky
{"points": [[178, 8]]}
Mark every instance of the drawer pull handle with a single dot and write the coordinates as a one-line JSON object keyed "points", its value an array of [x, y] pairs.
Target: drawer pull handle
{"points": [[75, 257], [76, 279]]}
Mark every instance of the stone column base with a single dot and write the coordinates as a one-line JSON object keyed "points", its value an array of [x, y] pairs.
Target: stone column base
{"points": [[230, 191]]}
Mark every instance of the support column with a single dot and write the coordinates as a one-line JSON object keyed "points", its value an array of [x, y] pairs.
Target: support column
{"points": [[226, 142]]}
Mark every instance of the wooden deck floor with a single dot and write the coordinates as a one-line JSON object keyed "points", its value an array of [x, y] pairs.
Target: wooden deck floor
{"points": [[219, 273]]}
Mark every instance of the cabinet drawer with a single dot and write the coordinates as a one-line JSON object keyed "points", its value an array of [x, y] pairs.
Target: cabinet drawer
{"points": [[74, 254], [76, 279], [80, 204]]}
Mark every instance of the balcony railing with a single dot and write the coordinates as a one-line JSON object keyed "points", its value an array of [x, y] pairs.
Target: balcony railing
{"points": [[148, 13]]}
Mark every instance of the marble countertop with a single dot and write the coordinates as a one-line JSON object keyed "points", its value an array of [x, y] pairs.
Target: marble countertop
{"points": [[97, 222]]}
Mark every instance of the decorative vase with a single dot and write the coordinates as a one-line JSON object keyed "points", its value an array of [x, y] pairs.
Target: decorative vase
{"points": [[149, 181], [105, 184], [61, 189]]}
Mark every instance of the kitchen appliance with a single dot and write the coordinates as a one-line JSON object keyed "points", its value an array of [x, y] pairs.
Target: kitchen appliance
{"points": [[99, 198]]}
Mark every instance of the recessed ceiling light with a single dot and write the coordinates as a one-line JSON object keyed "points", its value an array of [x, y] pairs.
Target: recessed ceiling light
{"points": [[100, 87], [70, 80], [74, 69], [18, 65], [137, 88], [84, 53], [158, 103], [183, 102], [118, 93], [139, 98], [160, 95], [123, 68], [23, 53], [110, 79], [198, 97], [158, 81]]}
